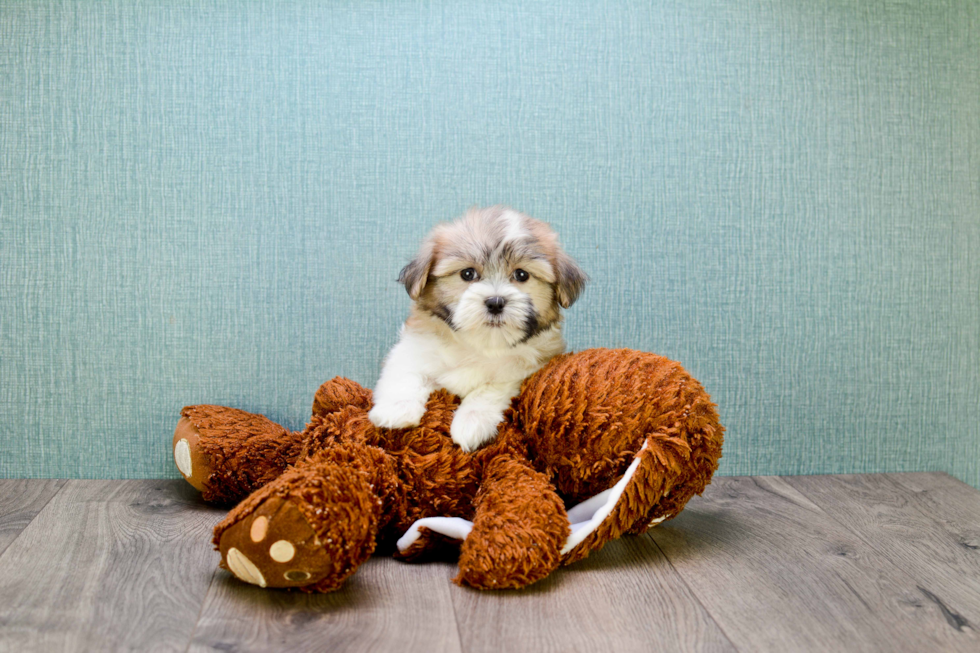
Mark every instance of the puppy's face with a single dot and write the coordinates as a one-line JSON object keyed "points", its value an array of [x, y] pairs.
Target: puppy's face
{"points": [[495, 276]]}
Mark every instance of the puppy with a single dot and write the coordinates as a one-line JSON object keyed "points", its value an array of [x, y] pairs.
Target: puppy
{"points": [[487, 290]]}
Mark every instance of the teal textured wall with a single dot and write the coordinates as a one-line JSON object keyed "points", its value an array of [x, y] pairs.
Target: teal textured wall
{"points": [[210, 201]]}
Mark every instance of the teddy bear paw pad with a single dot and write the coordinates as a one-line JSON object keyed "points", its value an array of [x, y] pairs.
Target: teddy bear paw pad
{"points": [[190, 460], [244, 568], [275, 546]]}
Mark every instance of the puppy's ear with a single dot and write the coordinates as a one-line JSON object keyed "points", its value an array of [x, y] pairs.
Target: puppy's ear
{"points": [[569, 279], [415, 274]]}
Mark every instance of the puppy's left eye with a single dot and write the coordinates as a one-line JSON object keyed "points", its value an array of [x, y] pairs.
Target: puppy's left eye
{"points": [[521, 275]]}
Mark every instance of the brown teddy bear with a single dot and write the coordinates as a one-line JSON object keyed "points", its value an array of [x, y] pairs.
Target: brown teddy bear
{"points": [[623, 436]]}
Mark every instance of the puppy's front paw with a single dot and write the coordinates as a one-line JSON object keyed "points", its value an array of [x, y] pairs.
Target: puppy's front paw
{"points": [[397, 414], [473, 428]]}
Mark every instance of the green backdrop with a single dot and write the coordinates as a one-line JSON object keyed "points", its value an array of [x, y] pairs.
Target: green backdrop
{"points": [[210, 201]]}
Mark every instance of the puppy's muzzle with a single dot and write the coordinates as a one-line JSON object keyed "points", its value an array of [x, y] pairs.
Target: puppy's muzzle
{"points": [[495, 305]]}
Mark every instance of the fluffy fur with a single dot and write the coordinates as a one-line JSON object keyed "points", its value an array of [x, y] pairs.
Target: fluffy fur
{"points": [[487, 292]]}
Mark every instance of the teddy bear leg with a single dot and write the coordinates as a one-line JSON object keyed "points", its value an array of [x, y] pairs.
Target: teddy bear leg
{"points": [[518, 528], [314, 525], [228, 453], [651, 490]]}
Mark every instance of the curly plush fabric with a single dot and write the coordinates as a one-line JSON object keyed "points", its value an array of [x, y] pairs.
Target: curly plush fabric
{"points": [[241, 453], [584, 435], [518, 531], [626, 437]]}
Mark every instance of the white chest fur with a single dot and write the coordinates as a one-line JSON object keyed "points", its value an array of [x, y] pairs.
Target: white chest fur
{"points": [[485, 378], [461, 367]]}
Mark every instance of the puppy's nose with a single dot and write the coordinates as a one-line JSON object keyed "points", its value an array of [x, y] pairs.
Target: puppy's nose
{"points": [[495, 305]]}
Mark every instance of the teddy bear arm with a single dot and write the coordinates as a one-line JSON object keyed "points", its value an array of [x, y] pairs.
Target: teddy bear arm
{"points": [[518, 529]]}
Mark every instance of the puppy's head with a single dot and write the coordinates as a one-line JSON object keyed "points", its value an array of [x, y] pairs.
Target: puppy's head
{"points": [[495, 276]]}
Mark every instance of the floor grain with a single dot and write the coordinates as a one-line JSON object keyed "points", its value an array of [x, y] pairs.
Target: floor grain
{"points": [[624, 598], [842, 563], [20, 501], [778, 573], [108, 565], [386, 606], [940, 558], [951, 502]]}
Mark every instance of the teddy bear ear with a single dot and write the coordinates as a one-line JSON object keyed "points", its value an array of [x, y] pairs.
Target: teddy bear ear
{"points": [[415, 275], [570, 279]]}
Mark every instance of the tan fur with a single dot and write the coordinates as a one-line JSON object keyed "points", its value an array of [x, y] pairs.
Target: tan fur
{"points": [[451, 247]]}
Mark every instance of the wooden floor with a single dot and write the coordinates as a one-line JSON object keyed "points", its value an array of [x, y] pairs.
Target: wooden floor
{"points": [[821, 563]]}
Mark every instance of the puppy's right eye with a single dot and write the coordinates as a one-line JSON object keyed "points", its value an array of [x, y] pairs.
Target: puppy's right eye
{"points": [[469, 274]]}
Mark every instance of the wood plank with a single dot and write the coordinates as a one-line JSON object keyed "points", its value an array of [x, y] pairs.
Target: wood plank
{"points": [[952, 502], [109, 565], [386, 605], [20, 501], [624, 598], [944, 560], [777, 573]]}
